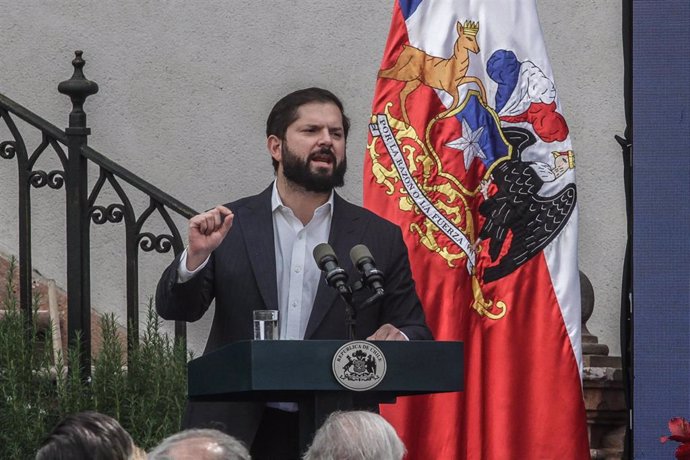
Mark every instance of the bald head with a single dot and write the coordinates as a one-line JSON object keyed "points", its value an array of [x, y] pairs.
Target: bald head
{"points": [[200, 445]]}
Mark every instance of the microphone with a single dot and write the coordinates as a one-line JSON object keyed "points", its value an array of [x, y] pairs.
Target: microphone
{"points": [[325, 258], [362, 259]]}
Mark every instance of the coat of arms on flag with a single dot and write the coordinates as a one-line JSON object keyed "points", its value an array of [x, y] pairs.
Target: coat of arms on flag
{"points": [[470, 154]]}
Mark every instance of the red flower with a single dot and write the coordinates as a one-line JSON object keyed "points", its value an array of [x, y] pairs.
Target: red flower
{"points": [[683, 452], [680, 431]]}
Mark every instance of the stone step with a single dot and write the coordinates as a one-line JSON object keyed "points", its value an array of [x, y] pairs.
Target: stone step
{"points": [[601, 361], [608, 375], [595, 349], [606, 454]]}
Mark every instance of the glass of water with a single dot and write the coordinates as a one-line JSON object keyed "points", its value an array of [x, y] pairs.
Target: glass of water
{"points": [[266, 325]]}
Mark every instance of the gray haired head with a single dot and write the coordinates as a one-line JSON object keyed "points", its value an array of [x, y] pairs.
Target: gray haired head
{"points": [[200, 444], [356, 435]]}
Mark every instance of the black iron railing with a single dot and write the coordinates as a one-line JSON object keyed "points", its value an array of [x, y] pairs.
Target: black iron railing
{"points": [[74, 154]]}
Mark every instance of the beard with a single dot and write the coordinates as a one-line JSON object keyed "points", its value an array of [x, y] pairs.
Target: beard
{"points": [[299, 171]]}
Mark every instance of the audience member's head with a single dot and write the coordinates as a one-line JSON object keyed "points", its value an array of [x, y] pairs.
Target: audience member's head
{"points": [[88, 435], [356, 435], [200, 444]]}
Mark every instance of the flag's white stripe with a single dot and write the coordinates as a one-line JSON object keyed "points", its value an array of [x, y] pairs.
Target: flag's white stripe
{"points": [[513, 25], [561, 259]]}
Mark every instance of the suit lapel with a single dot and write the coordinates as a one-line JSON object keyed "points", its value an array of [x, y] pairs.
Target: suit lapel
{"points": [[345, 232], [256, 222]]}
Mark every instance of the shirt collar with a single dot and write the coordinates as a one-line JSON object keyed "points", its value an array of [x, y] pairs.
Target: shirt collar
{"points": [[277, 203]]}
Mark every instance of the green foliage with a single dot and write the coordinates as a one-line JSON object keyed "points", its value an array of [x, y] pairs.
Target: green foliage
{"points": [[109, 376], [145, 394], [157, 385], [25, 387]]}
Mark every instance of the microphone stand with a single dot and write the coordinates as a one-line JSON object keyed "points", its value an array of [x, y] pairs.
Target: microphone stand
{"points": [[370, 301], [351, 309], [350, 312]]}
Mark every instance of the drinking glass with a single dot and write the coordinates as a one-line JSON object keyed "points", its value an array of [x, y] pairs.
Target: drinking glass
{"points": [[266, 325]]}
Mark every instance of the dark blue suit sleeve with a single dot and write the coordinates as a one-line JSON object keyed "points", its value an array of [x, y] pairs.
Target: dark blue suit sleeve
{"points": [[401, 306], [184, 301]]}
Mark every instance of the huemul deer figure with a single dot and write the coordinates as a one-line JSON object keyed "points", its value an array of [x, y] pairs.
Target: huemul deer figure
{"points": [[416, 67]]}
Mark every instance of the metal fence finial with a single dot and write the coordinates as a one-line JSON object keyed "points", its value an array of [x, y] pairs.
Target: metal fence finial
{"points": [[78, 88]]}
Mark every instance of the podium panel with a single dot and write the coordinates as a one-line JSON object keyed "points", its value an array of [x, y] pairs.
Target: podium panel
{"points": [[301, 371]]}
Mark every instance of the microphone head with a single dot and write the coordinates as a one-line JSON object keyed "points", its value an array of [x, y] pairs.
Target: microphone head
{"points": [[323, 251], [359, 253]]}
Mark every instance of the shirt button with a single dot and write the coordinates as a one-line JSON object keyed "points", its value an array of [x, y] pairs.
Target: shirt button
{"points": [[294, 304], [298, 269], [300, 236]]}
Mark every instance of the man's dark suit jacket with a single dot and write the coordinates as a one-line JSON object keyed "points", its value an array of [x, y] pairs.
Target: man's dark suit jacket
{"points": [[241, 276]]}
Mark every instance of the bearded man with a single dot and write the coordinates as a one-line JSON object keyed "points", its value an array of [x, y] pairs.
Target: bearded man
{"points": [[256, 253]]}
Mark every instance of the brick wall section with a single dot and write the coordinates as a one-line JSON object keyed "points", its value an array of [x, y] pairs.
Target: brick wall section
{"points": [[40, 286]]}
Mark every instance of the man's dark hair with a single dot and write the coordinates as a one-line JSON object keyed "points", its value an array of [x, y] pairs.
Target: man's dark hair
{"points": [[284, 113], [87, 435]]}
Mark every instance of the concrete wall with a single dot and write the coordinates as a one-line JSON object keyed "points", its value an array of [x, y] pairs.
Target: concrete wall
{"points": [[185, 88]]}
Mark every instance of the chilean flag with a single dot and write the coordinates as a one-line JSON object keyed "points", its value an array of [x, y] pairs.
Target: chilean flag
{"points": [[470, 154]]}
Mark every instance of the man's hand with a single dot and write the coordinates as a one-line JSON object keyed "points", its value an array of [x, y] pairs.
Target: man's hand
{"points": [[387, 332], [206, 231]]}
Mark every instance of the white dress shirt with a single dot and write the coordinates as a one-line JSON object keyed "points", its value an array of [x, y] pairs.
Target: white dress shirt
{"points": [[297, 275]]}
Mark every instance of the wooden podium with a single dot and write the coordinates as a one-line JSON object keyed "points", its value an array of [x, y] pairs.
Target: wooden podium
{"points": [[301, 371]]}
